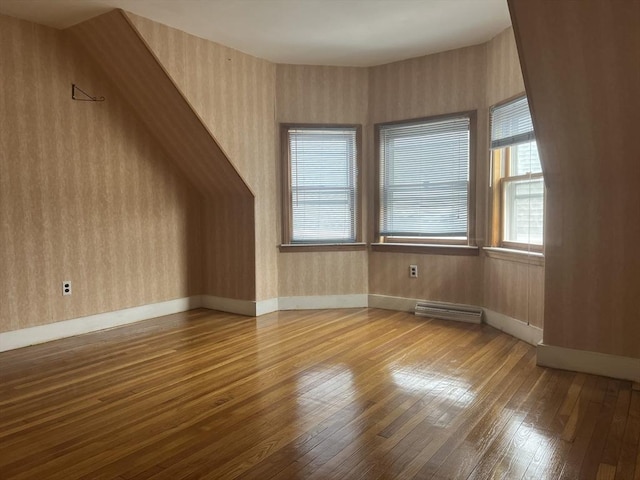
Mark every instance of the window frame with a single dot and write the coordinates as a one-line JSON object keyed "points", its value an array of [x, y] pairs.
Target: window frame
{"points": [[500, 164], [286, 191], [425, 243]]}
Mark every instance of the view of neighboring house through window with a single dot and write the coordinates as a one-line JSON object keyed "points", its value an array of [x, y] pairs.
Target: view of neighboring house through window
{"points": [[424, 188], [518, 183], [321, 190]]}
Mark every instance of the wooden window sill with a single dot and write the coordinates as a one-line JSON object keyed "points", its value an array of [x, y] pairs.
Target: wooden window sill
{"points": [[511, 255], [322, 247], [428, 249]]}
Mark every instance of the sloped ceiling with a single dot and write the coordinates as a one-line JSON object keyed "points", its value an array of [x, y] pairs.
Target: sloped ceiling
{"points": [[124, 56]]}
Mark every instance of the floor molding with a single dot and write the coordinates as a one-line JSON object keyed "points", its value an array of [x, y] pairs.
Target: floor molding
{"points": [[386, 302], [595, 363], [514, 327], [267, 306], [317, 302], [229, 305], [92, 323]]}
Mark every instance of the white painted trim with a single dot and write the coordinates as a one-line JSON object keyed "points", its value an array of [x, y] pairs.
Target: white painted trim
{"points": [[514, 327], [386, 302], [101, 321], [596, 363], [267, 306], [402, 304], [230, 305], [323, 301]]}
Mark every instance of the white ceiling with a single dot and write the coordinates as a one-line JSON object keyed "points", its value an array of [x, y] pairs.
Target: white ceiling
{"points": [[316, 32]]}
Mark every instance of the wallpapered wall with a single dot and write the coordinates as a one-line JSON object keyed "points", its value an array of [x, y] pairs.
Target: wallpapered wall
{"points": [[178, 242], [330, 95], [583, 70], [86, 194], [234, 94], [512, 288], [436, 84]]}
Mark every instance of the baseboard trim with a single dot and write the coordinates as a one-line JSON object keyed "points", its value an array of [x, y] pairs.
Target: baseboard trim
{"points": [[267, 306], [595, 363], [403, 304], [230, 305], [386, 302], [323, 301], [249, 308], [614, 366], [92, 323], [514, 327]]}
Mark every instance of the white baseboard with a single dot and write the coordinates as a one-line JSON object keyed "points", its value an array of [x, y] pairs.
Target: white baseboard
{"points": [[250, 308], [514, 327], [547, 355], [267, 306], [403, 304], [398, 304], [231, 305], [77, 326], [615, 366], [322, 301]]}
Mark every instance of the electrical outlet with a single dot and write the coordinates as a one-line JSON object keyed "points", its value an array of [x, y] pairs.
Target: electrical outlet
{"points": [[413, 271], [66, 287]]}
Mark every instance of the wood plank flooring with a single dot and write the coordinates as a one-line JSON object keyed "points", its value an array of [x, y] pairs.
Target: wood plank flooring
{"points": [[338, 394]]}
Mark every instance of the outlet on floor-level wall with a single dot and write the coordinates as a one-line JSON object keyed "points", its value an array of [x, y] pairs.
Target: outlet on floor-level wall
{"points": [[66, 287], [413, 271]]}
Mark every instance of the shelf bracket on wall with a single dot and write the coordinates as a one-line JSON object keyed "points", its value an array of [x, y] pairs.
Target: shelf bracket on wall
{"points": [[89, 98]]}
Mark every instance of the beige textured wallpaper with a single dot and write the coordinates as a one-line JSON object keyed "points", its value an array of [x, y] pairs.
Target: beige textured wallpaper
{"points": [[582, 70], [89, 195], [322, 273], [514, 289], [234, 95], [328, 95], [445, 278], [504, 76], [446, 82], [511, 288], [117, 47], [85, 193]]}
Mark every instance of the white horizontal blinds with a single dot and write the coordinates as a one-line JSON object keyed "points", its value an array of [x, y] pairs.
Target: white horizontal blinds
{"points": [[511, 123], [424, 179], [323, 185], [523, 195]]}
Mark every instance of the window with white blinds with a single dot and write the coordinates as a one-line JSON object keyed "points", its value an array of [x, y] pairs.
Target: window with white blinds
{"points": [[424, 179], [323, 181], [518, 175], [511, 124]]}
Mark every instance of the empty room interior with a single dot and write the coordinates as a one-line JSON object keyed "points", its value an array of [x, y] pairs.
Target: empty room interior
{"points": [[307, 239]]}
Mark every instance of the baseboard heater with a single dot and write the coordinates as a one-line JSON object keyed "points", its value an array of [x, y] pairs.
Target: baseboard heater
{"points": [[447, 311]]}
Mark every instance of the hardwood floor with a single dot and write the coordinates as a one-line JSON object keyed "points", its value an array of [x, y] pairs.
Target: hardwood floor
{"points": [[337, 394]]}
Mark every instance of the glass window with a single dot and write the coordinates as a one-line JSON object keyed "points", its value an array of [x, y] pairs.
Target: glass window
{"points": [[424, 182], [518, 183], [322, 185]]}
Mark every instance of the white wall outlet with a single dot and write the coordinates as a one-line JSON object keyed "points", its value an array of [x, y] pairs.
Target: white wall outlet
{"points": [[413, 271], [66, 287]]}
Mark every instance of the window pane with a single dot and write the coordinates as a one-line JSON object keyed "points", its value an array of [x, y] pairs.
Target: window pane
{"points": [[511, 123], [424, 179], [323, 185], [524, 211], [525, 159]]}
